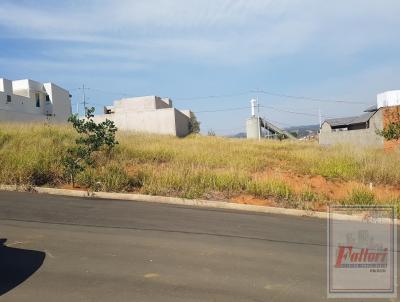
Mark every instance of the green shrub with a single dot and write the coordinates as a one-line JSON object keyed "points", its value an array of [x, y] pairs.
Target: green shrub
{"points": [[308, 195], [360, 197], [271, 188], [114, 178]]}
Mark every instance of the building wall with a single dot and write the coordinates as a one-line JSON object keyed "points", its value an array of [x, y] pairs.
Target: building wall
{"points": [[181, 123], [141, 104], [19, 109], [388, 98], [23, 106], [391, 115], [252, 128], [161, 121], [361, 137], [15, 116], [60, 104], [149, 114], [6, 86]]}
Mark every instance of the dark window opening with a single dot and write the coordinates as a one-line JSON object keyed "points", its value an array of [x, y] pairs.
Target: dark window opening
{"points": [[37, 100], [8, 98], [351, 127], [47, 98]]}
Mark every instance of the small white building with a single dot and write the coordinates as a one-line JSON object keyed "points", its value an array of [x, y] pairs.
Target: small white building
{"points": [[150, 114], [29, 101]]}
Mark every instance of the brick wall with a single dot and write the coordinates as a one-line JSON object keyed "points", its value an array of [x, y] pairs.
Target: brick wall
{"points": [[391, 115]]}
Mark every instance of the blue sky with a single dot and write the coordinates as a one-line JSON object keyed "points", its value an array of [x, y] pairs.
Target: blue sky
{"points": [[182, 49]]}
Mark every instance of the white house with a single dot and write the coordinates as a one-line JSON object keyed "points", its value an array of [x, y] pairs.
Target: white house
{"points": [[28, 101], [150, 114]]}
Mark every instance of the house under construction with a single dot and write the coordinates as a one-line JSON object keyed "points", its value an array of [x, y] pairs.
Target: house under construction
{"points": [[363, 130]]}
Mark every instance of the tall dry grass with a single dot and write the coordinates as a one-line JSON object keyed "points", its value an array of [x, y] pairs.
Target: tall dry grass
{"points": [[193, 167]]}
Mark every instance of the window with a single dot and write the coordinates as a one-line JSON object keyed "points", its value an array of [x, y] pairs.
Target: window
{"points": [[37, 95], [8, 98], [47, 98]]}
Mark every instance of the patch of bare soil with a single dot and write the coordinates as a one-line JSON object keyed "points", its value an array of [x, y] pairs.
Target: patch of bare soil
{"points": [[70, 187], [248, 199], [330, 189]]}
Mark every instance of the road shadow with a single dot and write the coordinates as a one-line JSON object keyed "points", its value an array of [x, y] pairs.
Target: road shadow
{"points": [[17, 265]]}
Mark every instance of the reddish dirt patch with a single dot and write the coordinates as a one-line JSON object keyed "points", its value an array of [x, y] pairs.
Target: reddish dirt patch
{"points": [[248, 199], [391, 115], [70, 187], [330, 189]]}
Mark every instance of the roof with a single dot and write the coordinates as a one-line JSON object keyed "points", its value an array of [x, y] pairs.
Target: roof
{"points": [[352, 120], [371, 108]]}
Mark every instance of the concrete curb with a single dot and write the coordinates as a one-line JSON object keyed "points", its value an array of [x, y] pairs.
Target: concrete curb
{"points": [[166, 200], [180, 201]]}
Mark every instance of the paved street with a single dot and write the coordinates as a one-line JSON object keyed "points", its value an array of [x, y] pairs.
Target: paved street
{"points": [[70, 249]]}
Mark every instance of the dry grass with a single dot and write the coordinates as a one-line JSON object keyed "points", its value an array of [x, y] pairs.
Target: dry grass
{"points": [[195, 167]]}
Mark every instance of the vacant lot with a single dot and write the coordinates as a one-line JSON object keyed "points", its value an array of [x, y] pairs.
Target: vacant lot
{"points": [[289, 174]]}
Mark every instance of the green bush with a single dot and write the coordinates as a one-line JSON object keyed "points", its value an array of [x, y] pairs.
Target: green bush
{"points": [[271, 188], [360, 197], [114, 179]]}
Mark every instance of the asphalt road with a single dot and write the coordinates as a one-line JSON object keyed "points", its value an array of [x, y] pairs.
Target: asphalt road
{"points": [[71, 249]]}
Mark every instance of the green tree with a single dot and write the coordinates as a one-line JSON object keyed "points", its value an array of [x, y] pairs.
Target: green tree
{"points": [[194, 124], [281, 136], [391, 131], [93, 137]]}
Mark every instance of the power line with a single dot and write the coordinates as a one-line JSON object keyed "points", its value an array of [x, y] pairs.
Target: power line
{"points": [[290, 96], [83, 88], [230, 129], [213, 96], [289, 111], [222, 110], [276, 122], [111, 92], [309, 98], [262, 106]]}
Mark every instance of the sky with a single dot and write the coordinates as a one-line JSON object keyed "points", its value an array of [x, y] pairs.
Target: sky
{"points": [[210, 55]]}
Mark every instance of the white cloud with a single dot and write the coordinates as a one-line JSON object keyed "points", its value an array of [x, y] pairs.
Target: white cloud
{"points": [[221, 30], [75, 67]]}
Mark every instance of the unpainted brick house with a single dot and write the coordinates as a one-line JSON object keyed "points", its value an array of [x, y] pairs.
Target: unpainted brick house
{"points": [[362, 130]]}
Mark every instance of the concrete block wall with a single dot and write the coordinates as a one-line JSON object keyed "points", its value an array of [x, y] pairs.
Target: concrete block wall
{"points": [[181, 123], [362, 137], [148, 114], [141, 104], [253, 130], [167, 121]]}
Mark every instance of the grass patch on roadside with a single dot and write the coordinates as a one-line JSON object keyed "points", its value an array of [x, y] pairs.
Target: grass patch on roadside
{"points": [[193, 167], [362, 197]]}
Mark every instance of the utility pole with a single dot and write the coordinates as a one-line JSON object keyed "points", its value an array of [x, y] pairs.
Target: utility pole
{"points": [[84, 98], [258, 119], [319, 117]]}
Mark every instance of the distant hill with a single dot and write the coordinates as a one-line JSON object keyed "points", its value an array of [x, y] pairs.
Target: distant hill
{"points": [[239, 135], [301, 131]]}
